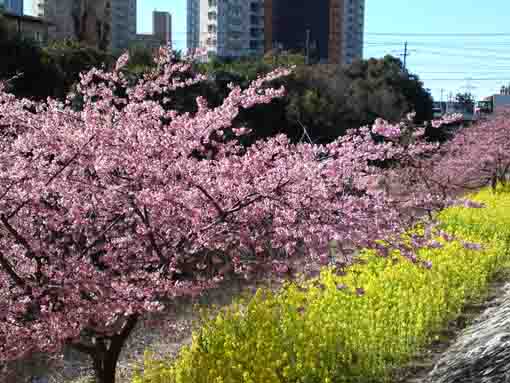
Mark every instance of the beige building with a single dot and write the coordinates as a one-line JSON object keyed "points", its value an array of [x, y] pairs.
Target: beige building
{"points": [[105, 24]]}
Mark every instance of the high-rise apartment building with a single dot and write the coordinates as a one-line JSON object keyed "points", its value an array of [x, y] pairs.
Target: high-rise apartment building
{"points": [[106, 24], [12, 6], [226, 28], [331, 30]]}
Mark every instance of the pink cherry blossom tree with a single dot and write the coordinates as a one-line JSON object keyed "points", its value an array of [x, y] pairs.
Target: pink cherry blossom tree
{"points": [[113, 210], [477, 156]]}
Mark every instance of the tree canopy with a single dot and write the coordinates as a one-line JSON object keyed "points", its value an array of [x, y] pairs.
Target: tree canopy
{"points": [[111, 210]]}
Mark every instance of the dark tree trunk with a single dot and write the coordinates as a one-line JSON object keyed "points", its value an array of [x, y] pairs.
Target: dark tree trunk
{"points": [[494, 182], [105, 363], [105, 352]]}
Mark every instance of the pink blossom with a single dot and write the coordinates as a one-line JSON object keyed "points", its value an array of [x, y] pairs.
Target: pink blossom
{"points": [[122, 61], [385, 129], [109, 211]]}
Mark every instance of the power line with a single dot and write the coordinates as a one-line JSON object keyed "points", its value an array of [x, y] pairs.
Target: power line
{"points": [[439, 34], [466, 56], [446, 47], [463, 79], [464, 72]]}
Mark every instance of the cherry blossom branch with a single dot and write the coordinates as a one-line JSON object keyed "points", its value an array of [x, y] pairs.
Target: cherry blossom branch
{"points": [[218, 208], [10, 271], [17, 236]]}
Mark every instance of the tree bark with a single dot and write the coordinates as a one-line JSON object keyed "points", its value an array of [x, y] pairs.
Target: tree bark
{"points": [[105, 352]]}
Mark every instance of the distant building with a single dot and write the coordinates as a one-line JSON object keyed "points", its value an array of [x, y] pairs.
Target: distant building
{"points": [[232, 28], [123, 23], [29, 27], [147, 40], [333, 29], [12, 6], [161, 32], [105, 24], [162, 27]]}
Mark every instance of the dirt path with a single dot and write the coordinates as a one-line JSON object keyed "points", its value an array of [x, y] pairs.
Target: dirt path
{"points": [[418, 370]]}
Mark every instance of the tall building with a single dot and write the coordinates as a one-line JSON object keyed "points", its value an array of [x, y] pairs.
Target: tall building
{"points": [[332, 30], [291, 23], [106, 24], [226, 28], [161, 32], [12, 6], [123, 23], [162, 27]]}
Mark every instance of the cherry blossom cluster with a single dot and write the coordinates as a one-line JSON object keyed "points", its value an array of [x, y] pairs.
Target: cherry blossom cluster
{"points": [[112, 209], [386, 129], [448, 119]]}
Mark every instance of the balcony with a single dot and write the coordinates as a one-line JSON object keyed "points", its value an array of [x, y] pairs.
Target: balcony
{"points": [[235, 27]]}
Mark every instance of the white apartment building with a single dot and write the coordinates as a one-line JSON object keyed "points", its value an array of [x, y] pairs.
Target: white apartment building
{"points": [[226, 28], [104, 23]]}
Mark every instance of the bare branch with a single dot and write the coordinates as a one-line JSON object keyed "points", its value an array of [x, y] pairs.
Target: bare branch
{"points": [[106, 230], [221, 212]]}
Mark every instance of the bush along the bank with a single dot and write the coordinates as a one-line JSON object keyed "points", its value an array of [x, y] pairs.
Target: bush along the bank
{"points": [[355, 327]]}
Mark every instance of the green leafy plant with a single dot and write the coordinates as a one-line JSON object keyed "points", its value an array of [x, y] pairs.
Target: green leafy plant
{"points": [[348, 328]]}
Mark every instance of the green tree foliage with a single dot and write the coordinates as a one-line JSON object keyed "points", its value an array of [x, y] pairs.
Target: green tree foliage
{"points": [[69, 59], [324, 100], [383, 88], [45, 71], [3, 26], [466, 100], [22, 62], [140, 59]]}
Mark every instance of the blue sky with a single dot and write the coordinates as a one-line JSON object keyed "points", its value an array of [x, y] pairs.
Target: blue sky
{"points": [[441, 51], [445, 61]]}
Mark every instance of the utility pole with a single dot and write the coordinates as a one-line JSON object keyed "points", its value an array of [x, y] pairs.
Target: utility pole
{"points": [[468, 87], [442, 91], [407, 52], [307, 47], [405, 55]]}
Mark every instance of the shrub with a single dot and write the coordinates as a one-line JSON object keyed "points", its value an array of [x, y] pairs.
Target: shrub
{"points": [[355, 327]]}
